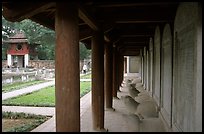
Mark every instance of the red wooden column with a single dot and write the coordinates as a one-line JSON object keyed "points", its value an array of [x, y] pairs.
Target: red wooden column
{"points": [[114, 74], [125, 65], [108, 76], [121, 68], [118, 71], [67, 68], [98, 80]]}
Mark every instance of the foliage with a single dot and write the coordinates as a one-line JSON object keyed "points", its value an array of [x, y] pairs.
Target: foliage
{"points": [[85, 87], [84, 52], [43, 97], [86, 76], [8, 28], [20, 115], [37, 120], [35, 33]]}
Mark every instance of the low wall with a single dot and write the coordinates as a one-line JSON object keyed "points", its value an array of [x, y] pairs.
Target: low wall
{"points": [[4, 63], [18, 77], [49, 64], [12, 75]]}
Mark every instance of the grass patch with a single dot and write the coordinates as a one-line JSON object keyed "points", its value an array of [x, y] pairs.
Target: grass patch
{"points": [[19, 85], [44, 97], [85, 87], [21, 122], [86, 76]]}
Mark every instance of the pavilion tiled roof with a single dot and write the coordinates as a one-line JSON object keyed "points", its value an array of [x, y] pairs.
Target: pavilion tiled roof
{"points": [[17, 38]]}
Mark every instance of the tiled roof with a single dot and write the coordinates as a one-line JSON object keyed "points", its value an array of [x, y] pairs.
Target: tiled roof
{"points": [[17, 38]]}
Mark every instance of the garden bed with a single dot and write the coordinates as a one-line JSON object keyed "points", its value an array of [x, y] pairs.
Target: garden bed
{"points": [[21, 122]]}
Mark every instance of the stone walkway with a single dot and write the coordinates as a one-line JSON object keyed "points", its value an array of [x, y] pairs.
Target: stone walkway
{"points": [[27, 90], [49, 111], [85, 80]]}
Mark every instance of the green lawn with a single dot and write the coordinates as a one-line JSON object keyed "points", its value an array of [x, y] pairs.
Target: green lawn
{"points": [[85, 87], [43, 97], [86, 76], [19, 85]]}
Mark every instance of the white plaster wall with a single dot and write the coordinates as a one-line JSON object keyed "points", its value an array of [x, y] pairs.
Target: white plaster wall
{"points": [[134, 64], [9, 62], [145, 67], [26, 58]]}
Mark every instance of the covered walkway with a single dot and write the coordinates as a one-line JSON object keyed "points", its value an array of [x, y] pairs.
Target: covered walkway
{"points": [[162, 41], [121, 120]]}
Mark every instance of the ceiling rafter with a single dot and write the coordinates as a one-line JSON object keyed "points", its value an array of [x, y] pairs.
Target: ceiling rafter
{"points": [[90, 21], [24, 12]]}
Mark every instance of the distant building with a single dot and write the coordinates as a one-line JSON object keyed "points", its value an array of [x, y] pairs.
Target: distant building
{"points": [[19, 51]]}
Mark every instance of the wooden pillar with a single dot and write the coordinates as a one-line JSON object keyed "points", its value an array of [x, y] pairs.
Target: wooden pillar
{"points": [[117, 58], [121, 68], [142, 73], [98, 80], [108, 76], [119, 71], [67, 68], [114, 74], [125, 65]]}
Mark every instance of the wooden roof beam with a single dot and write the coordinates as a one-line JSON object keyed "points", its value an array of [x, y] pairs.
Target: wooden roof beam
{"points": [[130, 53], [90, 21], [134, 4], [13, 12], [136, 46], [85, 34], [134, 42], [137, 21], [143, 35]]}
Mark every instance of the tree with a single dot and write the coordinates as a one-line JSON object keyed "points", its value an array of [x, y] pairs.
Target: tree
{"points": [[84, 52], [35, 33], [8, 28], [39, 34]]}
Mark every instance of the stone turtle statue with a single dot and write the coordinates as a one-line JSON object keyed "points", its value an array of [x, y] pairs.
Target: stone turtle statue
{"points": [[130, 103], [133, 92], [147, 109]]}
